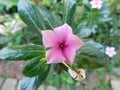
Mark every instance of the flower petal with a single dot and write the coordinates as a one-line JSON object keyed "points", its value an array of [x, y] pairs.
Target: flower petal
{"points": [[49, 38], [110, 51], [107, 49], [54, 55], [96, 3], [75, 42], [112, 48], [69, 54], [114, 53], [110, 55], [63, 32]]}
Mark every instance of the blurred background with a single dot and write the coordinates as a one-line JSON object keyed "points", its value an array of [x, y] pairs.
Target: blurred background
{"points": [[102, 25]]}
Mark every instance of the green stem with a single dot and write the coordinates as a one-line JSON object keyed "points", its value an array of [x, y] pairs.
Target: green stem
{"points": [[70, 67]]}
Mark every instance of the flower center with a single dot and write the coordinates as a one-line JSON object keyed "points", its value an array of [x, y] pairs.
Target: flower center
{"points": [[110, 51], [96, 3], [62, 45]]}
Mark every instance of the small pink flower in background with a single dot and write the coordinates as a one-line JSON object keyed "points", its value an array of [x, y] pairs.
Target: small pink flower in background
{"points": [[110, 51], [62, 43], [96, 3]]}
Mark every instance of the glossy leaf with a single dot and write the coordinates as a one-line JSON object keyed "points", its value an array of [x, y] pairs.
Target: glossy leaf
{"points": [[35, 67], [96, 44], [25, 52], [32, 83], [89, 57], [36, 40], [81, 23], [48, 18], [56, 18], [4, 40], [30, 15], [84, 32], [69, 10]]}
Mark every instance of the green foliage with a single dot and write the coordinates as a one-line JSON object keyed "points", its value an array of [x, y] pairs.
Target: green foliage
{"points": [[66, 82], [36, 40], [37, 18], [84, 32], [16, 38], [89, 57], [69, 10], [4, 40], [48, 18], [9, 3], [30, 15], [25, 52], [98, 29], [2, 8], [35, 67], [33, 83], [101, 76]]}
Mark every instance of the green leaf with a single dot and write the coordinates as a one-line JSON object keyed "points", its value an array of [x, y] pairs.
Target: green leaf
{"points": [[36, 40], [9, 3], [35, 67], [56, 18], [86, 2], [30, 15], [4, 40], [84, 32], [17, 38], [37, 18], [2, 9], [48, 18], [89, 57], [69, 10], [81, 23], [34, 82], [25, 52], [96, 44]]}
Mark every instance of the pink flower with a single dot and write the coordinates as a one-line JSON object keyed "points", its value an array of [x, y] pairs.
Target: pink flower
{"points": [[96, 3], [110, 51], [62, 43]]}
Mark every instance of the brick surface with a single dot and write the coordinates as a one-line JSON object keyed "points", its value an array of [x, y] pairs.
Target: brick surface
{"points": [[41, 87], [12, 69], [9, 84], [48, 88], [115, 84], [18, 86]]}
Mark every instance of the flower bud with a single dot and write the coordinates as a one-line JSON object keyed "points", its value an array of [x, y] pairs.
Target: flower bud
{"points": [[78, 74]]}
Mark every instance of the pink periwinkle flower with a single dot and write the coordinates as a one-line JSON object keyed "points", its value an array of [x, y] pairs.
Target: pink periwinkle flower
{"points": [[96, 3], [62, 43], [110, 51]]}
